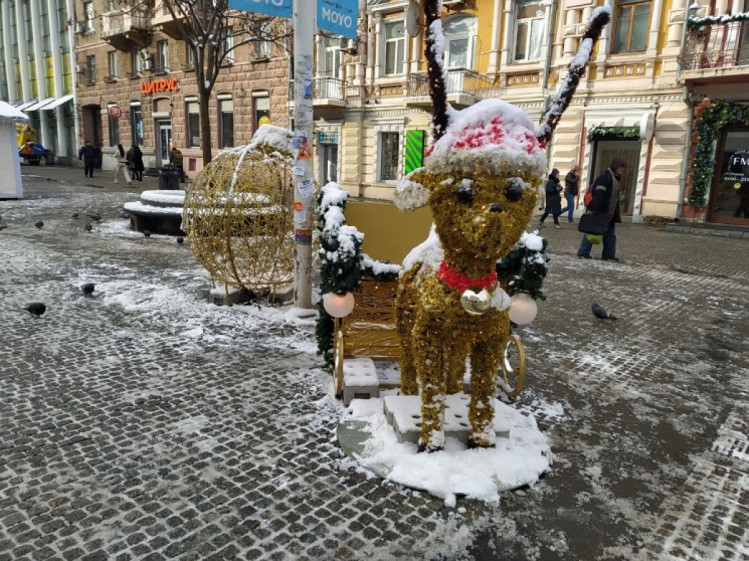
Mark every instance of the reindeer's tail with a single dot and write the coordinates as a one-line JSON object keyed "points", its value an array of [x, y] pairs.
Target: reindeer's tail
{"points": [[435, 54], [601, 16]]}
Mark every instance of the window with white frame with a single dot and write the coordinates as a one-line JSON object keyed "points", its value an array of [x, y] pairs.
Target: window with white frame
{"points": [[88, 11], [332, 59], [193, 123], [460, 41], [112, 60], [631, 25], [394, 48], [530, 26], [226, 121], [189, 57], [263, 45], [162, 56], [135, 62], [388, 157], [227, 46]]}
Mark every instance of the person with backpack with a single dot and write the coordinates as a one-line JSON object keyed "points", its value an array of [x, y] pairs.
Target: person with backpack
{"points": [[553, 199], [606, 189], [175, 158], [571, 189]]}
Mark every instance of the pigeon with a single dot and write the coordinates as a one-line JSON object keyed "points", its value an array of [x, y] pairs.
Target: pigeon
{"points": [[147, 233], [88, 226], [601, 313], [125, 215], [3, 226], [180, 240], [36, 309], [75, 214], [39, 224], [95, 216], [88, 288]]}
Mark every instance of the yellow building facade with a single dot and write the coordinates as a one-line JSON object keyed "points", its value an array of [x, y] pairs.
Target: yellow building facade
{"points": [[373, 111]]}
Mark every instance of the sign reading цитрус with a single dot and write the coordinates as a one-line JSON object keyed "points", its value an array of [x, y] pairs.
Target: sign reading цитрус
{"points": [[335, 16]]}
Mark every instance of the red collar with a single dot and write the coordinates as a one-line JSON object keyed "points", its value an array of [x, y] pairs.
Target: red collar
{"points": [[456, 280]]}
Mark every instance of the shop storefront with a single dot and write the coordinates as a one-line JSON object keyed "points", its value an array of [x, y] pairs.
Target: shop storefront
{"points": [[729, 196]]}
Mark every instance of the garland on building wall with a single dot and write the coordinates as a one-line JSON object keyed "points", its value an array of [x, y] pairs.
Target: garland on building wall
{"points": [[696, 23], [613, 133], [711, 122]]}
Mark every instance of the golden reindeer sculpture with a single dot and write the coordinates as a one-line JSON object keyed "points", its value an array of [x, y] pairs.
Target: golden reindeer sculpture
{"points": [[480, 180]]}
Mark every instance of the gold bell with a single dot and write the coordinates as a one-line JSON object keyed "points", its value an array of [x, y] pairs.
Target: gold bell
{"points": [[476, 303]]}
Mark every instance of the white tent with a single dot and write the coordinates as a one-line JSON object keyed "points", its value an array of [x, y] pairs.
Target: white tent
{"points": [[10, 164]]}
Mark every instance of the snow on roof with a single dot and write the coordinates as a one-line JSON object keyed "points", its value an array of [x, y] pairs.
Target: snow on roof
{"points": [[7, 111]]}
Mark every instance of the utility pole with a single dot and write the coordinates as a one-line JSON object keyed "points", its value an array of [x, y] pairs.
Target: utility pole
{"points": [[303, 22]]}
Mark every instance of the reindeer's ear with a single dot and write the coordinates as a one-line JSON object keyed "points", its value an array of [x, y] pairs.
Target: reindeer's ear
{"points": [[410, 194]]}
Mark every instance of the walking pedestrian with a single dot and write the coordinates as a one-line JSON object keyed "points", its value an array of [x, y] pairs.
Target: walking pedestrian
{"points": [[175, 158], [553, 198], [121, 164], [135, 155], [571, 190], [606, 190], [99, 155], [87, 154]]}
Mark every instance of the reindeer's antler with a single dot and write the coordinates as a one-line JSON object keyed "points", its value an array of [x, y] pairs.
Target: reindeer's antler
{"points": [[435, 54], [601, 16]]}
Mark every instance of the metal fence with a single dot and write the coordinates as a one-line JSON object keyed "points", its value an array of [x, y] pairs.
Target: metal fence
{"points": [[717, 46]]}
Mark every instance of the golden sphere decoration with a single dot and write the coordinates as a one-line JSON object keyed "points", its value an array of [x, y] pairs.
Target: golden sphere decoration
{"points": [[238, 217], [476, 303]]}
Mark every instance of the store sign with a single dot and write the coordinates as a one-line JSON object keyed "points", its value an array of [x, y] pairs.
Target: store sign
{"points": [[736, 166], [278, 8], [338, 16], [159, 86]]}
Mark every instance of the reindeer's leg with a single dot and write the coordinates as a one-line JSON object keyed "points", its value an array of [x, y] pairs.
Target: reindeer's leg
{"points": [[409, 383], [432, 377], [485, 362], [455, 358], [404, 322]]}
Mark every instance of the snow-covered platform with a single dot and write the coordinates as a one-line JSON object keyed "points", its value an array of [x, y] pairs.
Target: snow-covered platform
{"points": [[521, 456], [159, 211]]}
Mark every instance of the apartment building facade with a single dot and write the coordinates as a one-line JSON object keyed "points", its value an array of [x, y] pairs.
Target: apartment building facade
{"points": [[36, 69], [137, 85], [630, 104]]}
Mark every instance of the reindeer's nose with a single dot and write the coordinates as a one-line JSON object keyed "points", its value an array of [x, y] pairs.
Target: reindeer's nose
{"points": [[496, 207]]}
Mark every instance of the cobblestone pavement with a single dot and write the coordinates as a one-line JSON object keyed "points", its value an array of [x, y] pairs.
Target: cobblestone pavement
{"points": [[145, 423]]}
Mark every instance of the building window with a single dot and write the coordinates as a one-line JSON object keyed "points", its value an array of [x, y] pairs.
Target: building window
{"points": [[90, 77], [227, 47], [226, 122], [135, 62], [114, 127], [395, 48], [88, 11], [631, 27], [332, 59], [112, 58], [189, 57], [263, 45], [388, 156], [162, 54], [530, 27], [136, 123], [261, 109], [460, 42], [193, 124]]}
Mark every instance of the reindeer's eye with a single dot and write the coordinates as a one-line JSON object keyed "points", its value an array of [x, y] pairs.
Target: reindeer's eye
{"points": [[514, 190], [465, 191]]}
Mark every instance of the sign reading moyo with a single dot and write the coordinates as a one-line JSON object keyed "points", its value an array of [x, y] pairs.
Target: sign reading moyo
{"points": [[158, 86], [335, 16]]}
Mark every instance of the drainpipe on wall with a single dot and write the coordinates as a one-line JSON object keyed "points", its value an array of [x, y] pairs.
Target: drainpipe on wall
{"points": [[687, 97], [547, 67]]}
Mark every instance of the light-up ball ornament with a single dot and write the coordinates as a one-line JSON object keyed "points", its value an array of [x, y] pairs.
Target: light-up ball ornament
{"points": [[523, 309], [338, 306], [476, 303]]}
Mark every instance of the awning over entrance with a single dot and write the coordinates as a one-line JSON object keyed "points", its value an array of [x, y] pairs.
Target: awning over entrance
{"points": [[59, 101], [26, 104], [39, 104]]}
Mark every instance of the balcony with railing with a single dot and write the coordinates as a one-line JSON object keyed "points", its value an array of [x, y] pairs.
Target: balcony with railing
{"points": [[125, 30], [329, 91], [716, 53], [462, 85]]}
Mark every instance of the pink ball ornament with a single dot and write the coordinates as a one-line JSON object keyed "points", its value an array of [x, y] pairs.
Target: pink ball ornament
{"points": [[338, 306], [523, 308]]}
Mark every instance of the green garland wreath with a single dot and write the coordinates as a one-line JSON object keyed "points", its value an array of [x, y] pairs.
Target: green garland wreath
{"points": [[711, 122], [613, 133], [695, 23]]}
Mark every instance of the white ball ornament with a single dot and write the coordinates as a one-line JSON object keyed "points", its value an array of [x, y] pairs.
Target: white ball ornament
{"points": [[523, 308], [338, 306]]}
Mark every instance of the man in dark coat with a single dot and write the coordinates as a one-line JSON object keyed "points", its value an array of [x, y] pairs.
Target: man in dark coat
{"points": [[88, 154], [606, 190], [571, 189], [553, 199]]}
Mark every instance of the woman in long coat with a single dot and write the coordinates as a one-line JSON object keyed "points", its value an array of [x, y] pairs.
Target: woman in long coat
{"points": [[136, 158], [553, 198]]}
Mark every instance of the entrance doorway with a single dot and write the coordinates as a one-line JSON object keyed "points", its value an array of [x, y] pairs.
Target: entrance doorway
{"points": [[163, 140], [729, 195], [92, 124], [629, 151]]}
